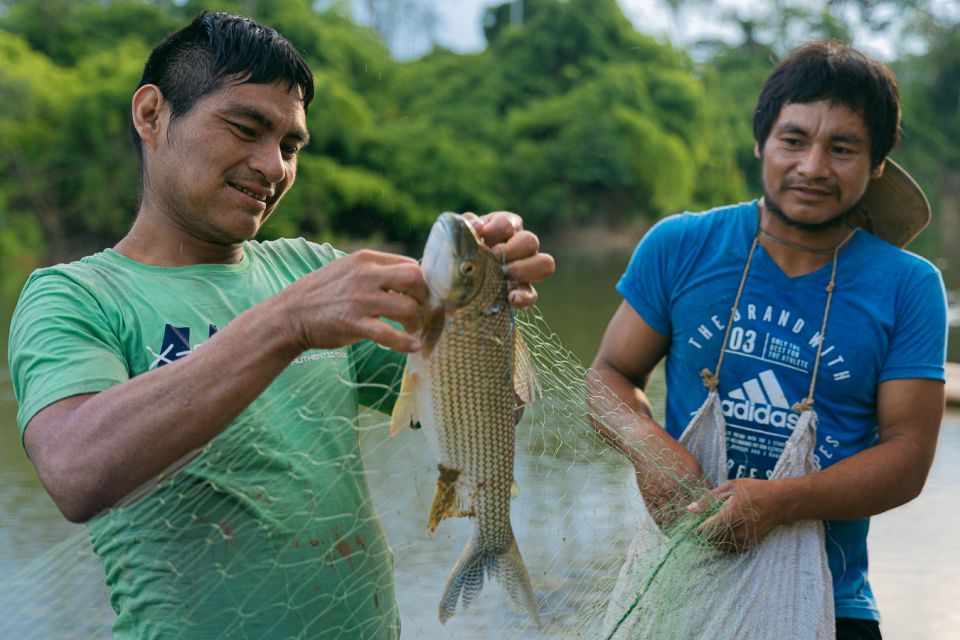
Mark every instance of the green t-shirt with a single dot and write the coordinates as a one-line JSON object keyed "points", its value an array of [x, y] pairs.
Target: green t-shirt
{"points": [[270, 531]]}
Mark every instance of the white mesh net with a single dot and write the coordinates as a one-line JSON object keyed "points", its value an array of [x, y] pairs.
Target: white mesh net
{"points": [[281, 559]]}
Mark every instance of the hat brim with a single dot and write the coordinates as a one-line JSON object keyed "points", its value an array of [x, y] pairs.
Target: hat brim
{"points": [[894, 207]]}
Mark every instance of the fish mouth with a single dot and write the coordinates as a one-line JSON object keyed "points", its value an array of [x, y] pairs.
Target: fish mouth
{"points": [[460, 233]]}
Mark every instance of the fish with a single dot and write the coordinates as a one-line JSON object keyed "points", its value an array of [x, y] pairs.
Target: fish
{"points": [[462, 388]]}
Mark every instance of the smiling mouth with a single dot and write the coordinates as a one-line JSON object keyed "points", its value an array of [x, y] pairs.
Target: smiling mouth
{"points": [[807, 192], [262, 197]]}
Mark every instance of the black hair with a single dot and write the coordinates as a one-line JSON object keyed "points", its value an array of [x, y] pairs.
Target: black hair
{"points": [[216, 48], [828, 70]]}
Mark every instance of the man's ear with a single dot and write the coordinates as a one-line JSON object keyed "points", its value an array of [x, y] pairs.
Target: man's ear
{"points": [[878, 170], [756, 150], [148, 113]]}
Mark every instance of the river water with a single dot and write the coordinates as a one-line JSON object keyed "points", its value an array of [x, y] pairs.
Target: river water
{"points": [[914, 551]]}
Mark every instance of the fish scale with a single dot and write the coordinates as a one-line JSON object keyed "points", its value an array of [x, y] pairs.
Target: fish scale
{"points": [[476, 421]]}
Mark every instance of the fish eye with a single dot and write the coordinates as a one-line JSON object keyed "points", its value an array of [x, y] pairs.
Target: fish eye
{"points": [[468, 268]]}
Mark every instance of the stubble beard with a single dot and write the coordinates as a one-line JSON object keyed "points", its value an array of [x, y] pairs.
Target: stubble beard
{"points": [[838, 220]]}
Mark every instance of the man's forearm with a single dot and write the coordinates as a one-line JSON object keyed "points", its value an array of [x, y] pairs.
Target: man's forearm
{"points": [[872, 481], [95, 450], [666, 471], [884, 476]]}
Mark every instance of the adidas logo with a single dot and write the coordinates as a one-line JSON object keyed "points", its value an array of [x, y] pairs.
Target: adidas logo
{"points": [[760, 401]]}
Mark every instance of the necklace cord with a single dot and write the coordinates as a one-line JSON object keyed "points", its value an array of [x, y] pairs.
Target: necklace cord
{"points": [[798, 247], [712, 380], [807, 403]]}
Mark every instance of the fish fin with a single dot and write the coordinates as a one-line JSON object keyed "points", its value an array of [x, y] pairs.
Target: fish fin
{"points": [[526, 382], [466, 579], [461, 506], [406, 410], [432, 329], [444, 497], [514, 489], [508, 569]]}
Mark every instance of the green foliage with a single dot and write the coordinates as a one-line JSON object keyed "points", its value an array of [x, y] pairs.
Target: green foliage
{"points": [[331, 198], [339, 120], [68, 30], [616, 147], [21, 251], [99, 198], [31, 106], [930, 87], [437, 166], [571, 117], [733, 79], [65, 141], [562, 43]]}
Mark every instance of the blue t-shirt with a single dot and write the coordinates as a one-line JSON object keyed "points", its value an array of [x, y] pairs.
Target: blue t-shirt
{"points": [[887, 321]]}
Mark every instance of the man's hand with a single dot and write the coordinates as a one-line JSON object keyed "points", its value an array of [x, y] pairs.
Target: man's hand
{"points": [[518, 249], [343, 302], [750, 510]]}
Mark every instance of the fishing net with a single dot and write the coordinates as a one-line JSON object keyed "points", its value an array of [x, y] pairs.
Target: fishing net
{"points": [[577, 519]]}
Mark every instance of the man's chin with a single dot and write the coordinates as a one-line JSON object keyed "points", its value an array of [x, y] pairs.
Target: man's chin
{"points": [[824, 225]]}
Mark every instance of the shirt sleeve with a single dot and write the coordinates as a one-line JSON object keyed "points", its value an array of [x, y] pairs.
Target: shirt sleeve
{"points": [[645, 284], [61, 345], [919, 341]]}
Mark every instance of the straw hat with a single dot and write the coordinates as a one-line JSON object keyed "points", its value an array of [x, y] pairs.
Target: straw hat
{"points": [[894, 207]]}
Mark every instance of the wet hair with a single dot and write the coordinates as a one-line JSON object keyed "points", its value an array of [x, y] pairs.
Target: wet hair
{"points": [[217, 48], [828, 70]]}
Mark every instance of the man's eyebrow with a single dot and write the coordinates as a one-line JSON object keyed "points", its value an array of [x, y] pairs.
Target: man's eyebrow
{"points": [[246, 111], [792, 127], [849, 138]]}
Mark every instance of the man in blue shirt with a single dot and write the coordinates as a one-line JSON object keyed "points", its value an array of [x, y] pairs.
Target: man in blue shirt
{"points": [[806, 312]]}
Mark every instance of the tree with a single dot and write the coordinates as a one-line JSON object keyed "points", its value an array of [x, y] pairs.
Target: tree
{"points": [[68, 30]]}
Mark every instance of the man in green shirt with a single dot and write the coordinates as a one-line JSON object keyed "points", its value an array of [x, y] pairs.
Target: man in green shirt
{"points": [[221, 374]]}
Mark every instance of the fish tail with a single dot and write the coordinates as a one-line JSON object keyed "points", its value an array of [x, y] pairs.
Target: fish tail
{"points": [[507, 568], [511, 573]]}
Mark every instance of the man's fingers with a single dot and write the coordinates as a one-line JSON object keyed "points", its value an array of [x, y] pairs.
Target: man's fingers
{"points": [[390, 337], [523, 295], [531, 269], [715, 523], [401, 308], [365, 287], [522, 244], [380, 257], [731, 528], [522, 272], [387, 272], [405, 279], [708, 527], [499, 226], [717, 531]]}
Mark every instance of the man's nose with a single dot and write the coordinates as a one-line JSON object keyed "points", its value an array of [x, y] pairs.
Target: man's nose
{"points": [[268, 161], [815, 162]]}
